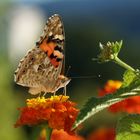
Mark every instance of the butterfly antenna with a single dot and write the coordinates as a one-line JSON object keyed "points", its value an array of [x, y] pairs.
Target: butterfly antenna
{"points": [[88, 77], [68, 70]]}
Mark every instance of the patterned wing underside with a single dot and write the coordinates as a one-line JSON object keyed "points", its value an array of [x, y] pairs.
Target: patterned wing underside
{"points": [[53, 30], [36, 69]]}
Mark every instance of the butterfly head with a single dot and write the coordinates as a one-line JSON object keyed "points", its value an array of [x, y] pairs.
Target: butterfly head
{"points": [[63, 81]]}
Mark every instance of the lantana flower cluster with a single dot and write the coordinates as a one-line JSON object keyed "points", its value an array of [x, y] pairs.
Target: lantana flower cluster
{"points": [[58, 112]]}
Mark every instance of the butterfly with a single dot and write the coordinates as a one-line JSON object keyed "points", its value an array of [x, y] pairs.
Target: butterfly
{"points": [[42, 69]]}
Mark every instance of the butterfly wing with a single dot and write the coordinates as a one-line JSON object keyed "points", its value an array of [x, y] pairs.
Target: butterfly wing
{"points": [[41, 67]]}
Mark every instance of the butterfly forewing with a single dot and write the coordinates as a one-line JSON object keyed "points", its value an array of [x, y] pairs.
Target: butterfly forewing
{"points": [[41, 67]]}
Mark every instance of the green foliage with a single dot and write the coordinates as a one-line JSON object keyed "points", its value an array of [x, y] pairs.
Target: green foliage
{"points": [[128, 77], [128, 128], [94, 105], [116, 47], [109, 51]]}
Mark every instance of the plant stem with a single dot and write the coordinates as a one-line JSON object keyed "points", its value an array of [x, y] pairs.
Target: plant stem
{"points": [[123, 64], [48, 133]]}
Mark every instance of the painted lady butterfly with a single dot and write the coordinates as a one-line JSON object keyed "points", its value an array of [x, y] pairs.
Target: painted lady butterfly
{"points": [[42, 68]]}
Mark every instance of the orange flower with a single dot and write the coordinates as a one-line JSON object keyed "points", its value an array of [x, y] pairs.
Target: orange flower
{"points": [[62, 135], [57, 111], [110, 87], [129, 105], [59, 135], [102, 134]]}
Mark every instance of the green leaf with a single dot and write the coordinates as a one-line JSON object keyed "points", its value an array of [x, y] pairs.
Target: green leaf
{"points": [[94, 105], [128, 128], [117, 47], [128, 77]]}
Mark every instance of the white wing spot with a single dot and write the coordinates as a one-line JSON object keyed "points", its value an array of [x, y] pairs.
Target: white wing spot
{"points": [[58, 53], [50, 33], [61, 37]]}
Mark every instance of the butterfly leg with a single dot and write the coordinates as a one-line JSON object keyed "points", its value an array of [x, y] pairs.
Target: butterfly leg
{"points": [[44, 94], [39, 95], [54, 93], [65, 90]]}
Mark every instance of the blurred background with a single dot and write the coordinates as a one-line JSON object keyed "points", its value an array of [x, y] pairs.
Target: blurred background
{"points": [[86, 22]]}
